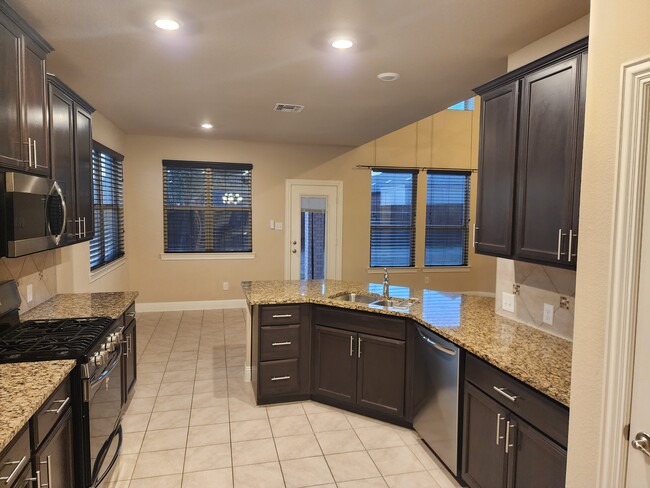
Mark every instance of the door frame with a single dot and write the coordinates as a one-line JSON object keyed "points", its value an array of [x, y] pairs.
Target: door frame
{"points": [[625, 261], [338, 251]]}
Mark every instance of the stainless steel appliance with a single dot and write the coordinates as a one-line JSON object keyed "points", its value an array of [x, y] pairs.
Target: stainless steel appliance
{"points": [[97, 399], [437, 394], [33, 214]]}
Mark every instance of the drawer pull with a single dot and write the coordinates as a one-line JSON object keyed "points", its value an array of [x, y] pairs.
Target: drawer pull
{"points": [[58, 410], [19, 466], [282, 316], [130, 315], [280, 378], [502, 391], [286, 343]]}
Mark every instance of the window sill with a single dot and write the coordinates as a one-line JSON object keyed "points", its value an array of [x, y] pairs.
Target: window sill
{"points": [[106, 269], [393, 270], [447, 269], [190, 256]]}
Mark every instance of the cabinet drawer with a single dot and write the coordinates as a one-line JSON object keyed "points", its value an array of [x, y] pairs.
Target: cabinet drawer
{"points": [[280, 315], [279, 377], [51, 411], [544, 413], [15, 458], [280, 342], [366, 323]]}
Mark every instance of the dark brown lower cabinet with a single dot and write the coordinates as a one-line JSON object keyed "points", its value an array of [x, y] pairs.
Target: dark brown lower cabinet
{"points": [[54, 457], [335, 365], [129, 358]]}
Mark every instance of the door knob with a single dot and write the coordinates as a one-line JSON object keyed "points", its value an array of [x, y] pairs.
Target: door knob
{"points": [[642, 443], [294, 251], [294, 243]]}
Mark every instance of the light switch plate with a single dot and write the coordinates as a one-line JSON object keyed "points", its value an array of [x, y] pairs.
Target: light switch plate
{"points": [[508, 302], [278, 226], [548, 314], [226, 285]]}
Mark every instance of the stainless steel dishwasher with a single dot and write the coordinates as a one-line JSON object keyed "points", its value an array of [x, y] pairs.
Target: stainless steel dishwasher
{"points": [[436, 395]]}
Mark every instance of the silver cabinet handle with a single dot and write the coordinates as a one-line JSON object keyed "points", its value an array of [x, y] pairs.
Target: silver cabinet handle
{"points": [[499, 420], [63, 403], [35, 157], [84, 219], [37, 479], [559, 244], [642, 443], [130, 314], [280, 378], [19, 466], [474, 237], [48, 466], [571, 236], [359, 348], [502, 391], [508, 427], [351, 345], [286, 343], [29, 151], [282, 316]]}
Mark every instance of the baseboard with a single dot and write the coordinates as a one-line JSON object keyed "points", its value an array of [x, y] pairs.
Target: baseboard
{"points": [[197, 305], [248, 374]]}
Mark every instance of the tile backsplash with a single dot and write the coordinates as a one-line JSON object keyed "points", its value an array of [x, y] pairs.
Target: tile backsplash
{"points": [[537, 285], [38, 270]]}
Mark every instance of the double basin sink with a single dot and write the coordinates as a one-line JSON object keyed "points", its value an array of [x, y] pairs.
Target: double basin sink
{"points": [[398, 303]]}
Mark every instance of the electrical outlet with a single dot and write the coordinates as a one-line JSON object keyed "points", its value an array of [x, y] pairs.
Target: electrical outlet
{"points": [[548, 314], [508, 302], [226, 285], [30, 293], [426, 280], [278, 226]]}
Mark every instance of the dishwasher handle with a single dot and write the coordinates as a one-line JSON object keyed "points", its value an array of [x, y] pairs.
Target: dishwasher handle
{"points": [[440, 348]]}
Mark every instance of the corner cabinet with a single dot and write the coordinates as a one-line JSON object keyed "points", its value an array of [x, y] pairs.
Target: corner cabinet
{"points": [[530, 160]]}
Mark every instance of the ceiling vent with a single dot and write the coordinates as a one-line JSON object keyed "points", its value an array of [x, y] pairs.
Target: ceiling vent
{"points": [[288, 107]]}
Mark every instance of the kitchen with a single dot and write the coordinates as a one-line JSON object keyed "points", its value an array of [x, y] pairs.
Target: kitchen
{"points": [[616, 37]]}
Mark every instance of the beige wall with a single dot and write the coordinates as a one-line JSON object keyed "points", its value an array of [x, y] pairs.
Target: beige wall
{"points": [[618, 34]]}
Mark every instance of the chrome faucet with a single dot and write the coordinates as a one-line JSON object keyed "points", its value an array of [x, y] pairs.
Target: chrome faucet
{"points": [[386, 284]]}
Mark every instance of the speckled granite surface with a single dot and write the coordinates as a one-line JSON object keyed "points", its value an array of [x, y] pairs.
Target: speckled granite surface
{"points": [[74, 305], [540, 360], [24, 387]]}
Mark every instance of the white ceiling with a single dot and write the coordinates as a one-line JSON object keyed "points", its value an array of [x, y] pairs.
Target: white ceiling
{"points": [[232, 60]]}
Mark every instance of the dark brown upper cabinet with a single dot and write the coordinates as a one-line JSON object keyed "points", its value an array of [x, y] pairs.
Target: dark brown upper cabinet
{"points": [[530, 160], [71, 149], [23, 95]]}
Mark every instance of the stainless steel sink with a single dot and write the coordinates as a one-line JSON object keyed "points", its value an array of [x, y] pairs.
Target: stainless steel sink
{"points": [[388, 302], [357, 298], [402, 303]]}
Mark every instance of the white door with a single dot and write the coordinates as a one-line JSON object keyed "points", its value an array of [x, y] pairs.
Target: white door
{"points": [[313, 232]]}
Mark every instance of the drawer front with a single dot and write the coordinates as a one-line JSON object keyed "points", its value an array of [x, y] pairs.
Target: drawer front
{"points": [[53, 409], [15, 459], [129, 315], [280, 314], [544, 413], [279, 342], [279, 377], [366, 323]]}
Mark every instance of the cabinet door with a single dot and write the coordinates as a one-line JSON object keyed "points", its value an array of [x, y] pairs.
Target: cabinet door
{"points": [[129, 358], [83, 172], [35, 108], [54, 459], [496, 174], [484, 424], [380, 376], [547, 161], [11, 149], [62, 149], [335, 364], [535, 461]]}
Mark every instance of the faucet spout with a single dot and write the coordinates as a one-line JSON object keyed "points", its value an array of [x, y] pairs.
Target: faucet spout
{"points": [[386, 283]]}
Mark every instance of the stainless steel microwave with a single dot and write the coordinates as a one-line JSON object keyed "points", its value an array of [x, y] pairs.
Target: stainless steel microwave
{"points": [[33, 214]]}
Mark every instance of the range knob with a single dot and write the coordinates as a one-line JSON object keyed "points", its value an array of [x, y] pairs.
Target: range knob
{"points": [[98, 358]]}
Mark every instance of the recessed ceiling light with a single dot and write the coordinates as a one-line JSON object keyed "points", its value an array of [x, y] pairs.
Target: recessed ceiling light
{"points": [[167, 24], [388, 76], [342, 44], [207, 125]]}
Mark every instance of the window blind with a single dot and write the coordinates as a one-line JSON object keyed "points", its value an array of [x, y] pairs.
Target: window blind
{"points": [[207, 207], [108, 211], [447, 222], [392, 218]]}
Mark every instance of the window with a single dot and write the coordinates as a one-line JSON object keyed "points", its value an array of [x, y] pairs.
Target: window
{"points": [[108, 243], [464, 105], [207, 207], [447, 223], [392, 218]]}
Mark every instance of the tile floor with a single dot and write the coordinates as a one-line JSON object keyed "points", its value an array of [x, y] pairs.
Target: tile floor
{"points": [[193, 423]]}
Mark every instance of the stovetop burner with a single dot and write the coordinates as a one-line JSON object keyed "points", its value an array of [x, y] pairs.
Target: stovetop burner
{"points": [[52, 339]]}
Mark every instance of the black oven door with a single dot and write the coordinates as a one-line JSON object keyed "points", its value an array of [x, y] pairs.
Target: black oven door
{"points": [[105, 413]]}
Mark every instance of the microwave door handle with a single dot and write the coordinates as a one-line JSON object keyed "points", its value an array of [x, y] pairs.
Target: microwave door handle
{"points": [[58, 190]]}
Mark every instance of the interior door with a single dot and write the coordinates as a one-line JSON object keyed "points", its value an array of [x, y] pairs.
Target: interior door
{"points": [[313, 246]]}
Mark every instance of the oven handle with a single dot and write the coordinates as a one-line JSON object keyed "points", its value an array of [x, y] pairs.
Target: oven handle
{"points": [[97, 480], [112, 364]]}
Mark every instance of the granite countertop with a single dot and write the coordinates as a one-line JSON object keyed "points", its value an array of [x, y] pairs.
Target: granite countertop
{"points": [[24, 387], [77, 305], [540, 360]]}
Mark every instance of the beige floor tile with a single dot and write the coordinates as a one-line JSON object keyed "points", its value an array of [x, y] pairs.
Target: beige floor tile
{"points": [[164, 440], [172, 481], [141, 405], [339, 441], [315, 407], [286, 410], [379, 437], [209, 416], [210, 373], [360, 422], [175, 376], [135, 423], [425, 456], [173, 402], [444, 479], [177, 388], [218, 478], [421, 479], [395, 460], [253, 452], [169, 420], [116, 484], [409, 436], [123, 469], [160, 463], [295, 425], [206, 458], [323, 422], [297, 446], [369, 483], [249, 430], [306, 472], [150, 378], [183, 355], [219, 386], [132, 442], [351, 466], [150, 367], [181, 366], [266, 475], [241, 410], [145, 391], [206, 435], [209, 399]]}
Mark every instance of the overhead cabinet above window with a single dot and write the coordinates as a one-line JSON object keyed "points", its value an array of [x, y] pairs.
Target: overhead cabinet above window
{"points": [[530, 160]]}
